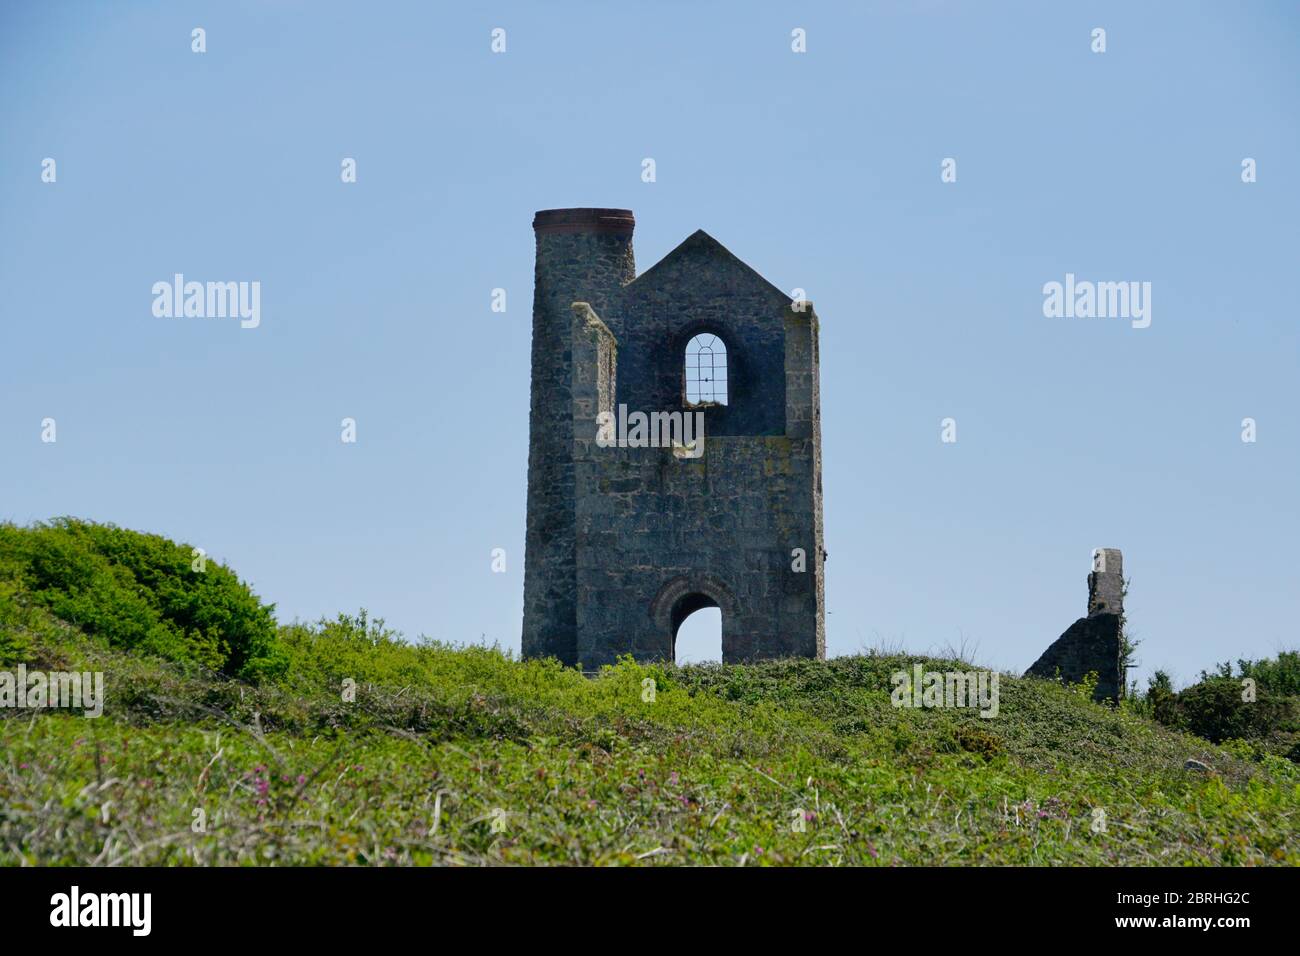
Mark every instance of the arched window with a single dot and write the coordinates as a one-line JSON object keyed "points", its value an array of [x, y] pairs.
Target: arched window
{"points": [[706, 370]]}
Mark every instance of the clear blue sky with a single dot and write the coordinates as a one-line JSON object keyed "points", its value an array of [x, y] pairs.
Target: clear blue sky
{"points": [[819, 169]]}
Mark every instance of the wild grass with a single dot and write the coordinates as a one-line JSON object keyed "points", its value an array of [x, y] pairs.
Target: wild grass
{"points": [[358, 748], [465, 756]]}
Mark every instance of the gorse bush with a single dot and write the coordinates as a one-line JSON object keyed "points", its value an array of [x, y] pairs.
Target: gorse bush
{"points": [[1220, 709], [138, 592], [1280, 676], [1215, 709]]}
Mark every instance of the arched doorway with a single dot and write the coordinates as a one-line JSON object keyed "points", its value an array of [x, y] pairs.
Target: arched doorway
{"points": [[695, 615], [697, 630]]}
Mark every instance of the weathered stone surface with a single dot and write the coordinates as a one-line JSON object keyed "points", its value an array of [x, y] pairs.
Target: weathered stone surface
{"points": [[623, 543], [582, 255], [1093, 644], [1106, 582], [1089, 644]]}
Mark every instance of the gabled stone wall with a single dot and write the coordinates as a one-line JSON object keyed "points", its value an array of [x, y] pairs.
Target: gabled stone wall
{"points": [[623, 543]]}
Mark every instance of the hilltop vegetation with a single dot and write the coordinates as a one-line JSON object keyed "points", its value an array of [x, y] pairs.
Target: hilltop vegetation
{"points": [[136, 592], [228, 739], [1258, 705]]}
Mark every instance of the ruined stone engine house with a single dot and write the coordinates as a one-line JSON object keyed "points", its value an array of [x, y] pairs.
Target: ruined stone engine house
{"points": [[624, 542]]}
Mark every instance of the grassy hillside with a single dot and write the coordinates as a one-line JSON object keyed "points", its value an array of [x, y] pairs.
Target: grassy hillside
{"points": [[465, 756]]}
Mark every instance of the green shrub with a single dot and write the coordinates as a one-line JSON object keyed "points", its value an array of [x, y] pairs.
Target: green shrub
{"points": [[1280, 676], [1218, 710], [1163, 700], [1214, 709], [977, 741], [138, 592]]}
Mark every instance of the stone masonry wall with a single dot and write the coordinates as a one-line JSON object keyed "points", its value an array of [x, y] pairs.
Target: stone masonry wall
{"points": [[1093, 644], [654, 535]]}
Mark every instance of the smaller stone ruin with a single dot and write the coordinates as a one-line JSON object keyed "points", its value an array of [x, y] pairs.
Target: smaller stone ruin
{"points": [[1093, 643]]}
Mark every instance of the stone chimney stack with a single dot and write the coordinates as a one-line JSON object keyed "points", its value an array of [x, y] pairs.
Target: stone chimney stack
{"points": [[583, 255], [1106, 582]]}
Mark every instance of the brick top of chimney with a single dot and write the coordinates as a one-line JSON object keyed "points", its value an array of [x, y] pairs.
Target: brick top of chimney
{"points": [[610, 221]]}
